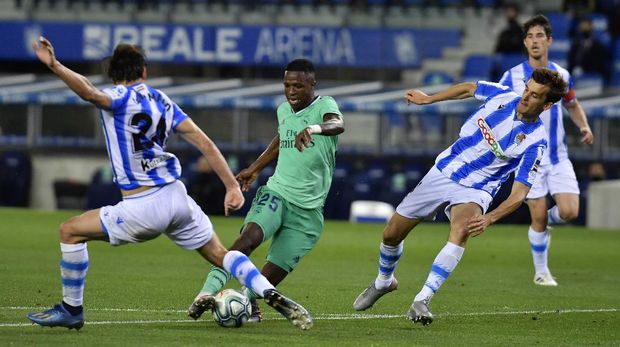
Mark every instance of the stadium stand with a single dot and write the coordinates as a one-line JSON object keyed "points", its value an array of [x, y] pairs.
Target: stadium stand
{"points": [[437, 42]]}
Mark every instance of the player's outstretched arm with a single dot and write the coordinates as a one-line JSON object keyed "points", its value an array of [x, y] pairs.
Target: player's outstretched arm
{"points": [[78, 83], [193, 134], [478, 224], [578, 116], [248, 175], [332, 125], [455, 92]]}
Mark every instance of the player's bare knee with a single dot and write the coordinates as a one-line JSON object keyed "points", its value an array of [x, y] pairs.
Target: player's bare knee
{"points": [[568, 214], [66, 231]]}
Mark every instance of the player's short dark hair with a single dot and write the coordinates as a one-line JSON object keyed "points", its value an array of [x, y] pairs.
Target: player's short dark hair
{"points": [[537, 20], [127, 63], [552, 79], [301, 65]]}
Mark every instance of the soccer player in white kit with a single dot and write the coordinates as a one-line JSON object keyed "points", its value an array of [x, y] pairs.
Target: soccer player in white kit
{"points": [[504, 135], [136, 121], [556, 175]]}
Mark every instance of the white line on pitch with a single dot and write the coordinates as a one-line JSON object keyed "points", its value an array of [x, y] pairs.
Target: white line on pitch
{"points": [[322, 316]]}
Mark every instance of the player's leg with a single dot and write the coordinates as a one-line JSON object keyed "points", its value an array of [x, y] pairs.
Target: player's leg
{"points": [[73, 267], [566, 208], [445, 262], [564, 189], [250, 238], [240, 266], [260, 224], [421, 203], [299, 232], [539, 237], [390, 251]]}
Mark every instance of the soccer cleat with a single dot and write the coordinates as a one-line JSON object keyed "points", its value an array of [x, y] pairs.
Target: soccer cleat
{"points": [[294, 312], [57, 316], [256, 316], [420, 313], [201, 304], [545, 279], [371, 294]]}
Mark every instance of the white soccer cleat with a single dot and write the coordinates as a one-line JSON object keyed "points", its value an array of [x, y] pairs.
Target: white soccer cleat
{"points": [[545, 279], [371, 294], [420, 313]]}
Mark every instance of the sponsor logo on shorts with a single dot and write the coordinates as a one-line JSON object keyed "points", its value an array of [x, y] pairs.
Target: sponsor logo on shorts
{"points": [[488, 136]]}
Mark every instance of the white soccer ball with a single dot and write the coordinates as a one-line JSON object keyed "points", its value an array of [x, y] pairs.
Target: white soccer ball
{"points": [[232, 308]]}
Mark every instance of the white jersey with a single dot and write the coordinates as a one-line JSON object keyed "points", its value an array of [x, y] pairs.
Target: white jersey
{"points": [[493, 142], [516, 78], [136, 128]]}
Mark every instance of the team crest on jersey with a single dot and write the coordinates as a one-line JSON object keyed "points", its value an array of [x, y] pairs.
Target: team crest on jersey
{"points": [[520, 137]]}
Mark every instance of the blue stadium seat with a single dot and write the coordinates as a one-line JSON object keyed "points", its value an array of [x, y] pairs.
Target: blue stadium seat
{"points": [[336, 204], [487, 3], [478, 67], [437, 77], [102, 190], [15, 179], [504, 62], [560, 24]]}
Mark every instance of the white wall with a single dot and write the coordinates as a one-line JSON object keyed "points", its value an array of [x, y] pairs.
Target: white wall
{"points": [[48, 168], [603, 200]]}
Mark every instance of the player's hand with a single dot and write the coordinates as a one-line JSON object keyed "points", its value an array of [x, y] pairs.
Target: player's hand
{"points": [[44, 51], [418, 97], [246, 177], [233, 200], [303, 139], [477, 225], [586, 135]]}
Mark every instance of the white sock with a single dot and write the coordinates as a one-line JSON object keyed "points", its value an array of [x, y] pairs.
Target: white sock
{"points": [[539, 242], [443, 265], [554, 216], [388, 258], [73, 268], [240, 266]]}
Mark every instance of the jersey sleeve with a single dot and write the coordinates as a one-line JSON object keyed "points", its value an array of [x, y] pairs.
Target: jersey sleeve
{"points": [[506, 79], [530, 162], [329, 105], [178, 116], [486, 90], [119, 95]]}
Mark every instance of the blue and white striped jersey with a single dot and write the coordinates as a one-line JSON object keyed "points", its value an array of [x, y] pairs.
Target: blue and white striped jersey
{"points": [[136, 128], [493, 142], [516, 78]]}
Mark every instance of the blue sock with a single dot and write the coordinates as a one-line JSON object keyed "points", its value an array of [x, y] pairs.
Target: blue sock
{"points": [[388, 259]]}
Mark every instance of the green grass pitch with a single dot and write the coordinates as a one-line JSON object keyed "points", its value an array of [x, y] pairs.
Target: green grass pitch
{"points": [[138, 294]]}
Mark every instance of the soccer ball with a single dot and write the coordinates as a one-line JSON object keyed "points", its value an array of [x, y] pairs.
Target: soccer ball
{"points": [[232, 308]]}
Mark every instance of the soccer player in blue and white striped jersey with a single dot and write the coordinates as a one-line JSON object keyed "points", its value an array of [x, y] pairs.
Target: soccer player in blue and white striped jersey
{"points": [[556, 175], [136, 121], [504, 135]]}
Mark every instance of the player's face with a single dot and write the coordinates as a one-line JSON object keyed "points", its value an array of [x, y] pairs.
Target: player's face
{"points": [[534, 99], [537, 42], [299, 89]]}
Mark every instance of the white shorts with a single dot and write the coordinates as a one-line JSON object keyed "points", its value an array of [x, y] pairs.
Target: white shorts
{"points": [[436, 191], [161, 210], [554, 179]]}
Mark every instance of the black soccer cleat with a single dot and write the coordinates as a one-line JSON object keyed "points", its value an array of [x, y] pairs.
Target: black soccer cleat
{"points": [[294, 312], [200, 305]]}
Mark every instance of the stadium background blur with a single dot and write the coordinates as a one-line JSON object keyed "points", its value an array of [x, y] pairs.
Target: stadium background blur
{"points": [[222, 62]]}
